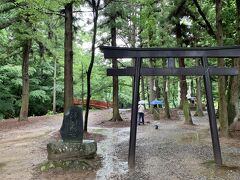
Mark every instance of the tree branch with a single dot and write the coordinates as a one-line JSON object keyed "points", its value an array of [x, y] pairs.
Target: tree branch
{"points": [[9, 22], [7, 8], [194, 18], [210, 29], [176, 11]]}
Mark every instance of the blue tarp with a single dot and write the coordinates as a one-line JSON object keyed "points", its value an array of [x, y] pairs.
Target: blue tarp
{"points": [[157, 102]]}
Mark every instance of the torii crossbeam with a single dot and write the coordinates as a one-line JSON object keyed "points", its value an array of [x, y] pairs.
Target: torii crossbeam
{"points": [[171, 53]]}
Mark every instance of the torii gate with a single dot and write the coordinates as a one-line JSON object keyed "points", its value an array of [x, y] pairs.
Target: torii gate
{"points": [[171, 53]]}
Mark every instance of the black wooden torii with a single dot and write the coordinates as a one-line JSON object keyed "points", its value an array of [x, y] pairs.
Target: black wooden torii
{"points": [[171, 53]]}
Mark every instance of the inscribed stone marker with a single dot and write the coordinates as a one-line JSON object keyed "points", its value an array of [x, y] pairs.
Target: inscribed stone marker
{"points": [[72, 126]]}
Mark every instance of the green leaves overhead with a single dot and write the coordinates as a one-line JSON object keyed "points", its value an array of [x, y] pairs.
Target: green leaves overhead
{"points": [[139, 23]]}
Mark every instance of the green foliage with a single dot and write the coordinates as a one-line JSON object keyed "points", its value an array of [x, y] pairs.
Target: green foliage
{"points": [[146, 23], [39, 95], [10, 84]]}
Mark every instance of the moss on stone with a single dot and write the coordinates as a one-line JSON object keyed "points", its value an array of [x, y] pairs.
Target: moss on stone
{"points": [[68, 150], [75, 164]]}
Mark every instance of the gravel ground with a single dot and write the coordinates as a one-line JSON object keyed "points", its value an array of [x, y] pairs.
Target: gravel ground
{"points": [[174, 151]]}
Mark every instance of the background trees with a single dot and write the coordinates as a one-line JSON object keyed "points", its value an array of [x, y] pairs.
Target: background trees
{"points": [[33, 61]]}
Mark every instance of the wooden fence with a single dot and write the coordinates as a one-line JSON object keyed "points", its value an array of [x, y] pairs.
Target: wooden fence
{"points": [[94, 103]]}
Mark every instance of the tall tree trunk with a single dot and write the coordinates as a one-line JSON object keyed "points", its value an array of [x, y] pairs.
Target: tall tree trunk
{"points": [[199, 108], [165, 93], [68, 58], [183, 89], [179, 42], [41, 54], [152, 91], [233, 93], [165, 96], [223, 115], [148, 93], [143, 79], [116, 115], [25, 81], [95, 6], [183, 83], [158, 90], [152, 84], [82, 88], [54, 85], [172, 91], [142, 89]]}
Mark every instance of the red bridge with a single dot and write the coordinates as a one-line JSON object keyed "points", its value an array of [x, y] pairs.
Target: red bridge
{"points": [[94, 103]]}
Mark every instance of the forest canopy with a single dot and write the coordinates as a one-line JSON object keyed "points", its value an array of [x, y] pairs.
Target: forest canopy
{"points": [[33, 44]]}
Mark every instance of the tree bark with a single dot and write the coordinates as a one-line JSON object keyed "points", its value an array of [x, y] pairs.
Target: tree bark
{"points": [[116, 115], [199, 108], [165, 96], [183, 83], [68, 58], [82, 89], [233, 93], [54, 85], [158, 90], [148, 93], [165, 93], [223, 115], [95, 6], [152, 84], [25, 81], [183, 91], [142, 88]]}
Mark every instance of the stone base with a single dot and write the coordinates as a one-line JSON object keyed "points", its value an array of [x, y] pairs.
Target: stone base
{"points": [[72, 150], [77, 164]]}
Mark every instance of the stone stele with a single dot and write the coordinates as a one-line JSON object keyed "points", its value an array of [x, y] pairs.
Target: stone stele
{"points": [[72, 146], [72, 126]]}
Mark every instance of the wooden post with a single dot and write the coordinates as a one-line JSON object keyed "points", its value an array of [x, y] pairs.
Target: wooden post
{"points": [[133, 130]]}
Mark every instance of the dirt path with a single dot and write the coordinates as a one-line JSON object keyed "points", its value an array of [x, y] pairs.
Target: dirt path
{"points": [[174, 151], [23, 148]]}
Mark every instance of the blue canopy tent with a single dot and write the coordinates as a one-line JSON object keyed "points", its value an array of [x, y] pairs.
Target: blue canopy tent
{"points": [[157, 102]]}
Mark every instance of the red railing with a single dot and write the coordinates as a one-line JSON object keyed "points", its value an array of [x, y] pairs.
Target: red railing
{"points": [[94, 103]]}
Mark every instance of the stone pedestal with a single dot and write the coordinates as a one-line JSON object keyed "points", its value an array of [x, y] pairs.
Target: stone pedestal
{"points": [[71, 150]]}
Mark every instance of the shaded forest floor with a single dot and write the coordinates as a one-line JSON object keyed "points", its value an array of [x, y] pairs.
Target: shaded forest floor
{"points": [[173, 151]]}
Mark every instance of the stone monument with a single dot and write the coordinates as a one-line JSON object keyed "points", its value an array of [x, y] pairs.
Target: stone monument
{"points": [[72, 126], [72, 148]]}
